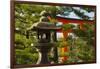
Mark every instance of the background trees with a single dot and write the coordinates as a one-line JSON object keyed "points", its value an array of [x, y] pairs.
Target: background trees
{"points": [[25, 16]]}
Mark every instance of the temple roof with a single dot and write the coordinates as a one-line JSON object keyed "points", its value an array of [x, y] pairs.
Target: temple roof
{"points": [[73, 15]]}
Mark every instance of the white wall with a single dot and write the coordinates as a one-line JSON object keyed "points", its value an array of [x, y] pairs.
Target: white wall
{"points": [[5, 34]]}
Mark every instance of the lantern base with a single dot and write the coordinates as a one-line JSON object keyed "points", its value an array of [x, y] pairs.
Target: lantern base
{"points": [[44, 49]]}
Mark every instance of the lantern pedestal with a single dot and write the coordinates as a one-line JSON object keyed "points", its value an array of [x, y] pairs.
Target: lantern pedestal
{"points": [[44, 49], [43, 59]]}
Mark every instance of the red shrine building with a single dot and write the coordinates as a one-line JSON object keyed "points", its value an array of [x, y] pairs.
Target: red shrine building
{"points": [[77, 22]]}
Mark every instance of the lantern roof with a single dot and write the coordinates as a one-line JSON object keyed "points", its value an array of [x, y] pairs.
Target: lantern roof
{"points": [[47, 26]]}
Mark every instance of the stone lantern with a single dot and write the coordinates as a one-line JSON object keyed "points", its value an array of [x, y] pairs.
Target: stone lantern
{"points": [[46, 34], [46, 40]]}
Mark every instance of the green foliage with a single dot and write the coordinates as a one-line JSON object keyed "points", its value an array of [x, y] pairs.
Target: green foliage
{"points": [[87, 34], [26, 56], [82, 48], [85, 52], [25, 16], [67, 26]]}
